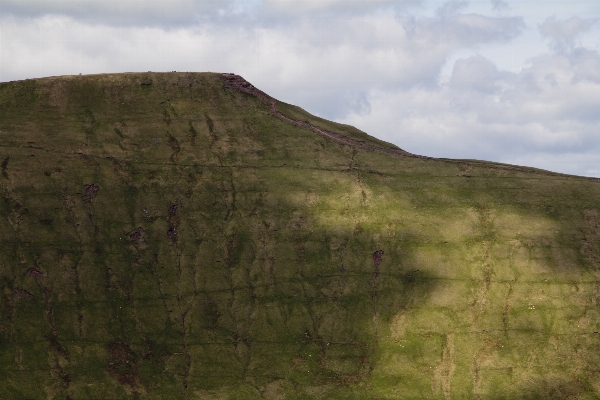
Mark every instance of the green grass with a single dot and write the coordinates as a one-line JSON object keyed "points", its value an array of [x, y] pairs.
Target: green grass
{"points": [[487, 287]]}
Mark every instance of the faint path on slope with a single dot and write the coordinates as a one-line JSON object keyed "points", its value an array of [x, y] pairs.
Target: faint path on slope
{"points": [[238, 83]]}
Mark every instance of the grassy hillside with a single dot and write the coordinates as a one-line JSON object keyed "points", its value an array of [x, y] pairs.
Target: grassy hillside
{"points": [[166, 236]]}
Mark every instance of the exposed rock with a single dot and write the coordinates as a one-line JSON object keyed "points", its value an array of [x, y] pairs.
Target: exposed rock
{"points": [[18, 293], [378, 256], [90, 191], [34, 272]]}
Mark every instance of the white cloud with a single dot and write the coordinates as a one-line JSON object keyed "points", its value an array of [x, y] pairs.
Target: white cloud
{"points": [[533, 117]]}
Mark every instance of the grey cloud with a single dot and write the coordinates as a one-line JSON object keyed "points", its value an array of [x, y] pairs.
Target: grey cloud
{"points": [[544, 115], [336, 6], [177, 13], [562, 34], [475, 28], [451, 8], [475, 73], [466, 29], [333, 105], [554, 88], [346, 56], [124, 12], [500, 5], [586, 65], [565, 29]]}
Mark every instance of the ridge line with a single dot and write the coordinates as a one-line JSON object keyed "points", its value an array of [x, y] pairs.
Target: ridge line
{"points": [[238, 83]]}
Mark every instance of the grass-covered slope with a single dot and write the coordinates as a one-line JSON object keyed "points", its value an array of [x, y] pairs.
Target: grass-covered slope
{"points": [[166, 236]]}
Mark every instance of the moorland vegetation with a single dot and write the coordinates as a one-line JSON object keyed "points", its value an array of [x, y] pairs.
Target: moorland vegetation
{"points": [[185, 235]]}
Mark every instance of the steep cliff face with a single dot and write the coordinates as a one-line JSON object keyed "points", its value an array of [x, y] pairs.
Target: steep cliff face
{"points": [[184, 235]]}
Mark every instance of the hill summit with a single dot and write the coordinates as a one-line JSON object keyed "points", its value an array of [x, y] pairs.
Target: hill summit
{"points": [[187, 236]]}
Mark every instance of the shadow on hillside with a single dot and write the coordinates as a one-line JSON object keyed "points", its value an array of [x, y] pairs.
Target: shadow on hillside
{"points": [[247, 255]]}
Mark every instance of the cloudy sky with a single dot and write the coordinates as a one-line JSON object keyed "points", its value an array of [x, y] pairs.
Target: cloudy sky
{"points": [[509, 81]]}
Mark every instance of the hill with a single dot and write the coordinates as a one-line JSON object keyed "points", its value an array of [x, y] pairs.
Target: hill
{"points": [[185, 235]]}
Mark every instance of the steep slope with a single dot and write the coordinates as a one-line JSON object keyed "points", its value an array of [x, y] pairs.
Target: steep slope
{"points": [[184, 235]]}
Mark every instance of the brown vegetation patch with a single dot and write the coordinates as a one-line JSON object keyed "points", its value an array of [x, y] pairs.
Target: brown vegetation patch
{"points": [[592, 237], [211, 314], [174, 221], [137, 236], [91, 191], [155, 353], [58, 360], [122, 365]]}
